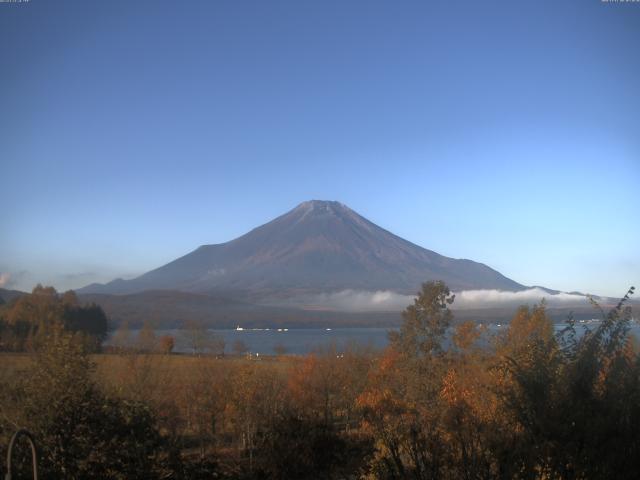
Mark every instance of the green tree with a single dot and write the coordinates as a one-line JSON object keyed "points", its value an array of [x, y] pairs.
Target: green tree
{"points": [[29, 319], [425, 322]]}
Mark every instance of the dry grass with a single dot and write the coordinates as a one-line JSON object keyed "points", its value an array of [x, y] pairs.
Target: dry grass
{"points": [[150, 375]]}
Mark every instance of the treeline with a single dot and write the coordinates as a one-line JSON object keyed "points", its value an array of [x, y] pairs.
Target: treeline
{"points": [[28, 320], [532, 405], [196, 337]]}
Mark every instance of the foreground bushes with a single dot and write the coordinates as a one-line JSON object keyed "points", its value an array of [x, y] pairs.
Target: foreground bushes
{"points": [[81, 432], [538, 405], [532, 405]]}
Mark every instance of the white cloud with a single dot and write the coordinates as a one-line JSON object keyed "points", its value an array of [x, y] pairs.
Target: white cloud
{"points": [[358, 300], [4, 278], [385, 300], [498, 298]]}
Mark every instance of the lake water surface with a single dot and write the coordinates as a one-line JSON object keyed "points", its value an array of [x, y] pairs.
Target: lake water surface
{"points": [[300, 341]]}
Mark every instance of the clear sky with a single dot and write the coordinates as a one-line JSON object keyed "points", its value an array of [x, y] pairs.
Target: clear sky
{"points": [[505, 132]]}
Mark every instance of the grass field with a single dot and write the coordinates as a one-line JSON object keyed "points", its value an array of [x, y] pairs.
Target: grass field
{"points": [[155, 376]]}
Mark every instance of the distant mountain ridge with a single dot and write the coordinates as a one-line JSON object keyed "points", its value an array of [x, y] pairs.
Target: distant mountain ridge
{"points": [[319, 246], [7, 295]]}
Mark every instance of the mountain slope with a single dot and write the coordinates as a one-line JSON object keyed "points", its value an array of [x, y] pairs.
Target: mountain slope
{"points": [[319, 246], [8, 295]]}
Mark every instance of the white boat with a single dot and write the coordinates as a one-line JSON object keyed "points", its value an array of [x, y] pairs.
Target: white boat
{"points": [[239, 328]]}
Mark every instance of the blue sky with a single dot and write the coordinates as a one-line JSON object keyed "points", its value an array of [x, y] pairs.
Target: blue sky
{"points": [[506, 132]]}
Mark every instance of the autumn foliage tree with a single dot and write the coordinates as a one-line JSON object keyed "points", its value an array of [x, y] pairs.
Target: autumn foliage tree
{"points": [[534, 404], [166, 343], [402, 405], [576, 398]]}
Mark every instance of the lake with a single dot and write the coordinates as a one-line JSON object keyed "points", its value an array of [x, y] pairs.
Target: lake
{"points": [[297, 341], [300, 341]]}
